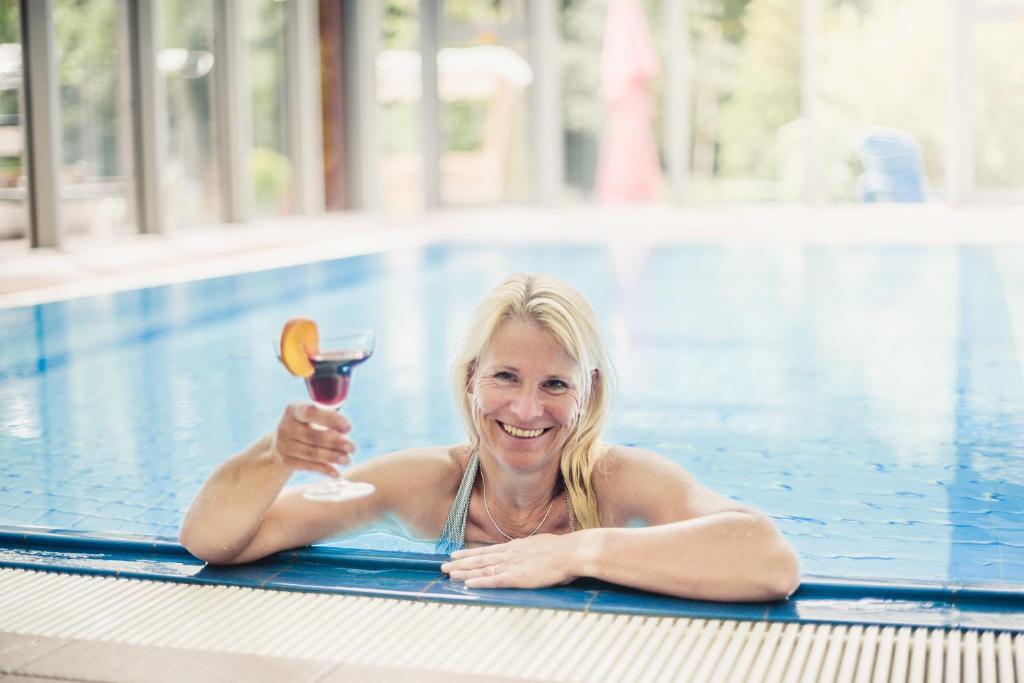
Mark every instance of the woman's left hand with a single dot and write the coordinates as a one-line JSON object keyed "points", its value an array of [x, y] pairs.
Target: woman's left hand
{"points": [[535, 562]]}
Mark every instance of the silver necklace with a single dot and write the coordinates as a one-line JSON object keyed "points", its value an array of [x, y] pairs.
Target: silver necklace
{"points": [[502, 531]]}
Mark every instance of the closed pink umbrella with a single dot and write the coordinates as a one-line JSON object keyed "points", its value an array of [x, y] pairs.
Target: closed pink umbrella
{"points": [[628, 169]]}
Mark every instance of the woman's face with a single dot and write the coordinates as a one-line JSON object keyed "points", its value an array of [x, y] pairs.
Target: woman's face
{"points": [[525, 394]]}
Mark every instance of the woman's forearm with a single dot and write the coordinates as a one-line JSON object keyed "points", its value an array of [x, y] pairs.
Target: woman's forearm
{"points": [[227, 512], [727, 556]]}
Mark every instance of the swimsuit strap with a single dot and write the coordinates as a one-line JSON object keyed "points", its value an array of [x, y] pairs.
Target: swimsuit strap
{"points": [[453, 535]]}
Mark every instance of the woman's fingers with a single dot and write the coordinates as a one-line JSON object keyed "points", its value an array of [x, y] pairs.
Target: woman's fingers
{"points": [[496, 581], [471, 562], [467, 574], [305, 451], [468, 565], [488, 576], [311, 438], [322, 441], [308, 413], [525, 563], [482, 550]]}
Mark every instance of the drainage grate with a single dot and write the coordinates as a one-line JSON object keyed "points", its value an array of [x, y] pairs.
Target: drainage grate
{"points": [[531, 643]]}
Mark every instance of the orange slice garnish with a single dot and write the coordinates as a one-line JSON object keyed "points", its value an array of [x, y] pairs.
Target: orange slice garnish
{"points": [[299, 341]]}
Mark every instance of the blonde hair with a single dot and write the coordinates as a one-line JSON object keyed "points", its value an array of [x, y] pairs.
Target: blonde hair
{"points": [[561, 311]]}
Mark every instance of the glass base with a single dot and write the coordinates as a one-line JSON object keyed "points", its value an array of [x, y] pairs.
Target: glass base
{"points": [[338, 490]]}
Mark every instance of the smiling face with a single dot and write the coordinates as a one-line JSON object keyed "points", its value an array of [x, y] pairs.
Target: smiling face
{"points": [[525, 393]]}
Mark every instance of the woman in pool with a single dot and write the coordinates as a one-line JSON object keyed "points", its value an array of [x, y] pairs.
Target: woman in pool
{"points": [[533, 499]]}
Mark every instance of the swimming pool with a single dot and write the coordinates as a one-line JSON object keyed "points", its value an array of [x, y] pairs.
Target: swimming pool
{"points": [[869, 399]]}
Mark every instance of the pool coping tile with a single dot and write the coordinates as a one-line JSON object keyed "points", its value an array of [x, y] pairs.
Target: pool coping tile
{"points": [[417, 576]]}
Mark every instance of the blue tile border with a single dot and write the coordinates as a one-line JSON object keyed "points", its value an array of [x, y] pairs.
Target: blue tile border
{"points": [[417, 576]]}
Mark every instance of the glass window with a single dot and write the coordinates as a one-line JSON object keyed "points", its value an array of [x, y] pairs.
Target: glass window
{"points": [[399, 98], [612, 82], [745, 67], [13, 181], [582, 25], [484, 77], [484, 11], [186, 59], [997, 109], [269, 161], [883, 111], [95, 110]]}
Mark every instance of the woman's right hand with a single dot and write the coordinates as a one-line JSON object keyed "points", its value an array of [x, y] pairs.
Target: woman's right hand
{"points": [[299, 445]]}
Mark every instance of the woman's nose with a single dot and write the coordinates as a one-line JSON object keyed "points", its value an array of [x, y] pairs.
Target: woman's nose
{"points": [[526, 406]]}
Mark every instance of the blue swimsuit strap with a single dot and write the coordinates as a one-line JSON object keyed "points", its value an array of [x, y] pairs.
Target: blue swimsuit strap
{"points": [[453, 535]]}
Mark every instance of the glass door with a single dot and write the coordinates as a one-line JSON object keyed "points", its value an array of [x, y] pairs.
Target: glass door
{"points": [[484, 79], [14, 229]]}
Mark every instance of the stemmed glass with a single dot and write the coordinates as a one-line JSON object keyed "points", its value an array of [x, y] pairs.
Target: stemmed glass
{"points": [[328, 387]]}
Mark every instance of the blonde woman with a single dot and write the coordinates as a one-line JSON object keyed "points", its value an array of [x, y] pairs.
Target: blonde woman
{"points": [[534, 499]]}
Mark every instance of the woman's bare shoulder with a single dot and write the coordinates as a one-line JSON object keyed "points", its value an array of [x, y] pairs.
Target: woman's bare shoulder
{"points": [[428, 468], [620, 466], [639, 483]]}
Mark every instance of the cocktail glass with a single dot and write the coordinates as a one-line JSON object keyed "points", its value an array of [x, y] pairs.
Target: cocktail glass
{"points": [[328, 387]]}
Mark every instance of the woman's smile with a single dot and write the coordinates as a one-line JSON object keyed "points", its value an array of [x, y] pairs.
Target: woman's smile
{"points": [[522, 433]]}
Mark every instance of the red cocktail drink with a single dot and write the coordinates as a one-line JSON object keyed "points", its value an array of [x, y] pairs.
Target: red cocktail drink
{"points": [[332, 371]]}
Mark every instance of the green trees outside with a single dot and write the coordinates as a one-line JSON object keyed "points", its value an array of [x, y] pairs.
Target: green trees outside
{"points": [[89, 74], [270, 165], [10, 107], [999, 106], [763, 90], [879, 64]]}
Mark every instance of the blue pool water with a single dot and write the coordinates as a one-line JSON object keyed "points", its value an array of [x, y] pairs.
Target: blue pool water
{"points": [[869, 399]]}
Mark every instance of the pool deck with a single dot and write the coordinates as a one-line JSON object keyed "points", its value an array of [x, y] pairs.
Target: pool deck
{"points": [[83, 268], [86, 607]]}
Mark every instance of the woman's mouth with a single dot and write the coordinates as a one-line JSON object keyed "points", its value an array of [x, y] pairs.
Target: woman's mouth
{"points": [[518, 433]]}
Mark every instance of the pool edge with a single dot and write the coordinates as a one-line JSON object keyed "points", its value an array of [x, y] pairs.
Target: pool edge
{"points": [[417, 576]]}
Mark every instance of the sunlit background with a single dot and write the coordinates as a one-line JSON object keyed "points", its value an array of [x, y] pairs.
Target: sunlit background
{"points": [[152, 117]]}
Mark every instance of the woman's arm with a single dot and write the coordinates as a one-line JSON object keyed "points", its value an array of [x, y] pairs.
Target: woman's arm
{"points": [[734, 555], [698, 544], [240, 513]]}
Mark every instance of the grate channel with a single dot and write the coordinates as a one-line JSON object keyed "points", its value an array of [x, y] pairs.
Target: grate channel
{"points": [[530, 643]]}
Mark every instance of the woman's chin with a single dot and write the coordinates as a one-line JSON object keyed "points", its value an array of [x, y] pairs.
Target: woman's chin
{"points": [[521, 455]]}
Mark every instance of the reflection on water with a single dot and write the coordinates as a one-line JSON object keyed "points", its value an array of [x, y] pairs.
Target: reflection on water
{"points": [[869, 399]]}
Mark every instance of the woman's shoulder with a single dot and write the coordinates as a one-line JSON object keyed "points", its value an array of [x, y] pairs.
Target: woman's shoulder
{"points": [[428, 467], [618, 462], [639, 483], [636, 483]]}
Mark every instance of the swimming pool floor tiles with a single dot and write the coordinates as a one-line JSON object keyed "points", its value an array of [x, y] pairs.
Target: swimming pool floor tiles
{"points": [[417, 577]]}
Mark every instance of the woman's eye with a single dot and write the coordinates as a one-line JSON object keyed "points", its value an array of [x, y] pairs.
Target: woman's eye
{"points": [[556, 385], [504, 376]]}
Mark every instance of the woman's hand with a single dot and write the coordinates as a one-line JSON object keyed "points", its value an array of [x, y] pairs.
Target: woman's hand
{"points": [[535, 562], [311, 438]]}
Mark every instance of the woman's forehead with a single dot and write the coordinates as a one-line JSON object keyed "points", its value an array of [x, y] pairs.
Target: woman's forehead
{"points": [[521, 344]]}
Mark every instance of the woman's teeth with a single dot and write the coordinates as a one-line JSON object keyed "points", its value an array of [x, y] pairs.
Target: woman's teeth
{"points": [[521, 433]]}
